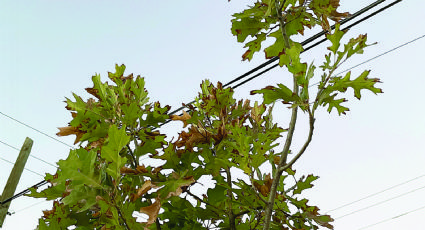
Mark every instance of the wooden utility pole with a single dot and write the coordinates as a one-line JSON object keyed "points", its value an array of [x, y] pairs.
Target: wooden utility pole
{"points": [[15, 175]]}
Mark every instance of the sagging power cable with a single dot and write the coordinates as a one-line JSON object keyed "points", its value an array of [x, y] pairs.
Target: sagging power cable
{"points": [[305, 42]]}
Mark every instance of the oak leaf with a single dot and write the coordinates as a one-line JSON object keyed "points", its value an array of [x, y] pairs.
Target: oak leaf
{"points": [[265, 188], [144, 189], [138, 170], [93, 92], [152, 211], [70, 130], [183, 118], [195, 136]]}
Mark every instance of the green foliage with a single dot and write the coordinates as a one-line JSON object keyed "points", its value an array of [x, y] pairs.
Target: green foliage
{"points": [[107, 181]]}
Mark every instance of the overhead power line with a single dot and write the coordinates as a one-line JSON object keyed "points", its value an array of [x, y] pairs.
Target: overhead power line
{"points": [[39, 184], [373, 58], [307, 41], [378, 203], [29, 206], [382, 54], [376, 193], [392, 218], [29, 170], [46, 162], [45, 134]]}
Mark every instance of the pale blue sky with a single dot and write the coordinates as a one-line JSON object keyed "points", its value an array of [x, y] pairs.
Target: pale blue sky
{"points": [[49, 49]]}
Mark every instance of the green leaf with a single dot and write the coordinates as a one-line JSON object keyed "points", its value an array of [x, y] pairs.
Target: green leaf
{"points": [[82, 195], [100, 87], [304, 81], [139, 91], [119, 71], [335, 103], [277, 48], [131, 113], [158, 115], [361, 82], [79, 167], [172, 187], [249, 22], [335, 38], [304, 184], [217, 194], [253, 46], [272, 94], [111, 152]]}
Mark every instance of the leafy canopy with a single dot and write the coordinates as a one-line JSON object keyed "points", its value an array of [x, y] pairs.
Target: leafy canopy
{"points": [[110, 179]]}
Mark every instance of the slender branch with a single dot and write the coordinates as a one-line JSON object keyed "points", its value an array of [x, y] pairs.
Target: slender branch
{"points": [[316, 101], [288, 141], [232, 217], [294, 186], [302, 150], [281, 7], [199, 199], [278, 173], [282, 23], [133, 158], [247, 211], [242, 213]]}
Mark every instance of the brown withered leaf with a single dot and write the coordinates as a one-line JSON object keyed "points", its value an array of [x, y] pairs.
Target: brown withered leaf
{"points": [[195, 136], [141, 169], [144, 189], [183, 118], [93, 92], [97, 143], [181, 141], [245, 55], [335, 15], [265, 188], [70, 130], [152, 211], [125, 170], [138, 170], [48, 213]]}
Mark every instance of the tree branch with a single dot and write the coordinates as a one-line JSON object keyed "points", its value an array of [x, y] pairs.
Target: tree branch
{"points": [[302, 150], [278, 173], [282, 23], [232, 216], [288, 141], [133, 158]]}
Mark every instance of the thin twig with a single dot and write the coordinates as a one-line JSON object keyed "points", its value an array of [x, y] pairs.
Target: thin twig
{"points": [[133, 158], [302, 150]]}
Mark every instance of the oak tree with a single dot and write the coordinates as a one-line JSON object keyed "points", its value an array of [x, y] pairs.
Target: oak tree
{"points": [[109, 179]]}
